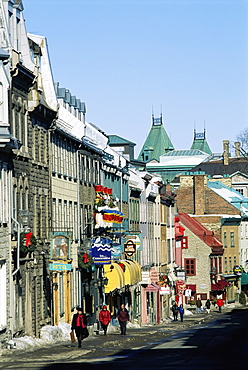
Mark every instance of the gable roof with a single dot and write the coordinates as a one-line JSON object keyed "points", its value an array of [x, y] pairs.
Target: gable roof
{"points": [[207, 236]]}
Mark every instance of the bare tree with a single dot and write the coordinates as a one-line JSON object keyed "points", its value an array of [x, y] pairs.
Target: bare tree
{"points": [[243, 138]]}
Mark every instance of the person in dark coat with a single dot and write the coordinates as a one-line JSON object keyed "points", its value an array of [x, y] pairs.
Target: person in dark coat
{"points": [[104, 318], [79, 325], [198, 305], [174, 309], [208, 304], [123, 317], [181, 311]]}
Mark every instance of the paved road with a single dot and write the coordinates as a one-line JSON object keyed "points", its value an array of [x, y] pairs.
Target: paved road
{"points": [[216, 341]]}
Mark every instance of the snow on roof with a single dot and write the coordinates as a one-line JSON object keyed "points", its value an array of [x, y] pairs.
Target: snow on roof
{"points": [[230, 195]]}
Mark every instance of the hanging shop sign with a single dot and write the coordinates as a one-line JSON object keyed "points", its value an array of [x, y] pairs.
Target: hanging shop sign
{"points": [[180, 286], [164, 290], [136, 238], [60, 245], [117, 247], [129, 248], [101, 250], [238, 270]]}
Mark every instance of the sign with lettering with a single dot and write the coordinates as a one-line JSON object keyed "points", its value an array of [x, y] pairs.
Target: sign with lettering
{"points": [[101, 251], [56, 266]]}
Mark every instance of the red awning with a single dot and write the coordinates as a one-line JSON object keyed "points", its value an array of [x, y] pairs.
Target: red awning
{"points": [[191, 286], [217, 287], [223, 283]]}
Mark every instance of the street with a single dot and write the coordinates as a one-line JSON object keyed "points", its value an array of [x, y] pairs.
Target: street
{"points": [[215, 341]]}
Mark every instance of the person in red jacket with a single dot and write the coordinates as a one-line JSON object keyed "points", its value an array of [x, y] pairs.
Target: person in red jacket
{"points": [[104, 318], [220, 303]]}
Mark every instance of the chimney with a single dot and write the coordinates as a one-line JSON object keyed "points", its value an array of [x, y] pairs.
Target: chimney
{"points": [[226, 153], [199, 194], [237, 149]]}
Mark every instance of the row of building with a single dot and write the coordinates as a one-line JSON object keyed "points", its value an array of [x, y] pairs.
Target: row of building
{"points": [[82, 222]]}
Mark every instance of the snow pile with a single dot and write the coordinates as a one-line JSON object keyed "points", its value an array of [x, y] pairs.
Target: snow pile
{"points": [[188, 312], [133, 325], [55, 334], [48, 335]]}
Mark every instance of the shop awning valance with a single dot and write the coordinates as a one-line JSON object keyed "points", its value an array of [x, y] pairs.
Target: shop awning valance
{"points": [[244, 278]]}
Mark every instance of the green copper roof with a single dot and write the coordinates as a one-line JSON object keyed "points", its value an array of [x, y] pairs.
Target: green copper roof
{"points": [[115, 139], [184, 152], [157, 143], [200, 142]]}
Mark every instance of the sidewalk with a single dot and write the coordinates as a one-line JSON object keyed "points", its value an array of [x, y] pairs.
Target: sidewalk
{"points": [[145, 333]]}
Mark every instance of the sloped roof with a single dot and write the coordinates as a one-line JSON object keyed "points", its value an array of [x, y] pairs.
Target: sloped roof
{"points": [[207, 236], [184, 152], [230, 195], [217, 167], [158, 141], [115, 139], [202, 145]]}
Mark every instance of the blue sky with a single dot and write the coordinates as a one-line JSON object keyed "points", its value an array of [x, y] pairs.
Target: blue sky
{"points": [[186, 58]]}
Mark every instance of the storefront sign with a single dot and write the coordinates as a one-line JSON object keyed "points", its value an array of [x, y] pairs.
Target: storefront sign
{"points": [[60, 266], [145, 277], [164, 290], [154, 275], [101, 251]]}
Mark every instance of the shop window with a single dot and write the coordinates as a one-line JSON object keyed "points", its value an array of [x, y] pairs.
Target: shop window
{"points": [[190, 266]]}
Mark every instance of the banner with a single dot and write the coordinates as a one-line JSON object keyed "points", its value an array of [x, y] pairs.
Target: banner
{"points": [[101, 251]]}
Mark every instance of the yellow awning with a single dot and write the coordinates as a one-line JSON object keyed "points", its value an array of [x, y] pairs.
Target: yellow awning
{"points": [[138, 276], [132, 272], [115, 276]]}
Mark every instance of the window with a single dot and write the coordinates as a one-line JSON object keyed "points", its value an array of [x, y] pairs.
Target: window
{"points": [[230, 264], [234, 261], [224, 240], [190, 266], [241, 191], [225, 265], [184, 242], [232, 239]]}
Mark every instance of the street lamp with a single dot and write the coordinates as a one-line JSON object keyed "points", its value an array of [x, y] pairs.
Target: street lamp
{"points": [[24, 217]]}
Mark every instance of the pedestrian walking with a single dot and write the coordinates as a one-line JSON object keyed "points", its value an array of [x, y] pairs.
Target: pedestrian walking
{"points": [[104, 318], [79, 325], [174, 309], [181, 311], [220, 303], [198, 305], [123, 317], [208, 304]]}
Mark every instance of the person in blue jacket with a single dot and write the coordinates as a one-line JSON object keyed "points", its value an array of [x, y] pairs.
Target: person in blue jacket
{"points": [[181, 311]]}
